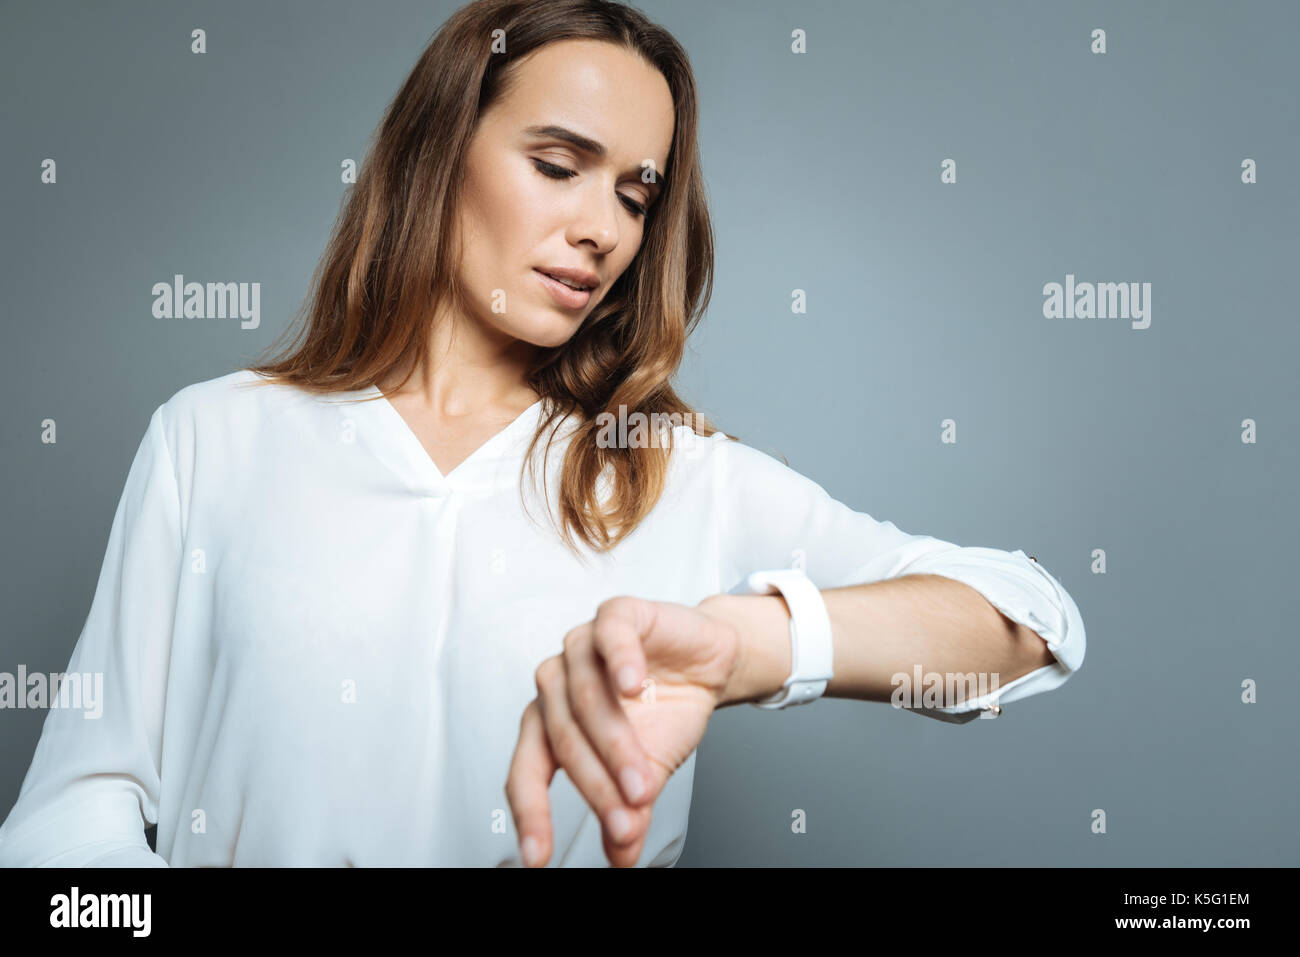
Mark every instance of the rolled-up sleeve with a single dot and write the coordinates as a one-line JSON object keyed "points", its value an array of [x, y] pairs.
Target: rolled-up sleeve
{"points": [[770, 516], [94, 780]]}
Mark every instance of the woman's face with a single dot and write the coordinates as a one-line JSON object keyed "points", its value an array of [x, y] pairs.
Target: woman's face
{"points": [[522, 214]]}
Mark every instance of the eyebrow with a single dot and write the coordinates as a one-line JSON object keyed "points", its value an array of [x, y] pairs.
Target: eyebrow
{"points": [[587, 145]]}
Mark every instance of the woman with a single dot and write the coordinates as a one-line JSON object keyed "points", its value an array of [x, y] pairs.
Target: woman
{"points": [[361, 603]]}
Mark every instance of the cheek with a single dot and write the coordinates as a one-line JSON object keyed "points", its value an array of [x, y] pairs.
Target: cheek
{"points": [[625, 262], [503, 211], [518, 201]]}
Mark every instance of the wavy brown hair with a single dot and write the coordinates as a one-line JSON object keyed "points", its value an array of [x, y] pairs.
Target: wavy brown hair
{"points": [[393, 254]]}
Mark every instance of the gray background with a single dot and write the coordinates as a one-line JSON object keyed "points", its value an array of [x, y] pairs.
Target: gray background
{"points": [[925, 302]]}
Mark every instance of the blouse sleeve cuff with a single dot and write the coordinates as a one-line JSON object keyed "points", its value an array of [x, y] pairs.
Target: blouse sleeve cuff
{"points": [[131, 855], [73, 836], [1020, 588]]}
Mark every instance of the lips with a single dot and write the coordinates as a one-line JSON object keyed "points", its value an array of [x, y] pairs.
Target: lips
{"points": [[564, 296], [579, 279], [576, 287]]}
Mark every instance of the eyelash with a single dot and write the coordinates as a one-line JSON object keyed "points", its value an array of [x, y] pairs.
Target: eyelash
{"points": [[559, 172]]}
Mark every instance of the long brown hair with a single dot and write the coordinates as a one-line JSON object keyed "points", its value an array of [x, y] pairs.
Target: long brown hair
{"points": [[392, 257]]}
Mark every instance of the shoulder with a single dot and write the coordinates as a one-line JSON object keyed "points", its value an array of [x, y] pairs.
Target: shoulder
{"points": [[723, 455], [743, 476], [242, 388], [227, 406], [722, 461]]}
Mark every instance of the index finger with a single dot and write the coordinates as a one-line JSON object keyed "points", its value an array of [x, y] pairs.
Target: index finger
{"points": [[617, 629], [527, 788]]}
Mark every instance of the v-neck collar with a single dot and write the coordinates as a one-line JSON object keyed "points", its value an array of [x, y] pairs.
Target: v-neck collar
{"points": [[490, 465]]}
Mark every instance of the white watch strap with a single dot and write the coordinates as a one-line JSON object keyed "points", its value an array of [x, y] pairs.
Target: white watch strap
{"points": [[811, 649]]}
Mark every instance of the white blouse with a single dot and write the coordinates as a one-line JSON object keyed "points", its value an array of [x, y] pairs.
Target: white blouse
{"points": [[315, 649]]}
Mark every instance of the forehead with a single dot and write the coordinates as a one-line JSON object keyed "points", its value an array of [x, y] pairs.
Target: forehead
{"points": [[603, 91]]}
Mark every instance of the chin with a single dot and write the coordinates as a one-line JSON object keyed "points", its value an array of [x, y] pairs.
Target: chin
{"points": [[546, 332]]}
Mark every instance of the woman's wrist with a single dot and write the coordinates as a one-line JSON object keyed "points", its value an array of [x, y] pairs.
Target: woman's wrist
{"points": [[763, 662]]}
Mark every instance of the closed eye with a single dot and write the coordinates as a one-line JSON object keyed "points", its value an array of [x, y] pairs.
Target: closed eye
{"points": [[551, 171]]}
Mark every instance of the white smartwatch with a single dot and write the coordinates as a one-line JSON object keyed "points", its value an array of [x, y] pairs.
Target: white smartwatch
{"points": [[811, 649]]}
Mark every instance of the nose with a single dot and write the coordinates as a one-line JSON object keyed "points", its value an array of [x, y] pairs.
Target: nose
{"points": [[596, 219]]}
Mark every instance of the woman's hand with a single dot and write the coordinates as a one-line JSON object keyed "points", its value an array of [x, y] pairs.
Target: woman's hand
{"points": [[619, 710]]}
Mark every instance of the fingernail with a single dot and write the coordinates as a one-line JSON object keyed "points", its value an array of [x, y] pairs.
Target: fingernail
{"points": [[632, 785], [627, 678], [532, 851], [620, 824]]}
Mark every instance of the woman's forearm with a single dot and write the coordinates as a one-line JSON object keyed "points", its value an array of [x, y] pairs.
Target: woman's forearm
{"points": [[883, 630]]}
